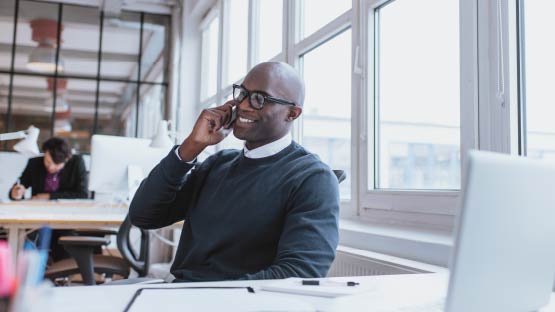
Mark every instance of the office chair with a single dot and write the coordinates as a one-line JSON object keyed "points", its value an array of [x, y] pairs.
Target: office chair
{"points": [[86, 263], [340, 175]]}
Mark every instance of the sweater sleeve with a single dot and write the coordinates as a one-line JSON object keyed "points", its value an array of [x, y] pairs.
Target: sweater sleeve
{"points": [[164, 196], [310, 234], [79, 188]]}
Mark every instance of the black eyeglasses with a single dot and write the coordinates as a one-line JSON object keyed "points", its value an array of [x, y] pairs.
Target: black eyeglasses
{"points": [[256, 99]]}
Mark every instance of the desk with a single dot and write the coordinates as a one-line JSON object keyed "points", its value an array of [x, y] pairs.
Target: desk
{"points": [[386, 293], [18, 216]]}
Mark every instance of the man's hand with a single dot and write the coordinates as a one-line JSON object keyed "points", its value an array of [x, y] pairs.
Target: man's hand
{"points": [[41, 196], [18, 191], [212, 126]]}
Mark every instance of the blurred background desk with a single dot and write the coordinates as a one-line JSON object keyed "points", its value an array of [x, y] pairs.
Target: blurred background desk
{"points": [[20, 217]]}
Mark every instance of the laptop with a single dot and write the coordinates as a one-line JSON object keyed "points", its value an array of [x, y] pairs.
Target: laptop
{"points": [[504, 253]]}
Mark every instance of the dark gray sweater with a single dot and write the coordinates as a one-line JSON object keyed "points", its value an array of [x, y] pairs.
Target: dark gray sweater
{"points": [[272, 217]]}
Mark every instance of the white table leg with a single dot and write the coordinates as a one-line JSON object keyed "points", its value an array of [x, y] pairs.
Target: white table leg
{"points": [[13, 241]]}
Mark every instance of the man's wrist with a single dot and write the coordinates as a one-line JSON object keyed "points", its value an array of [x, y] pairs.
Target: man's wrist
{"points": [[188, 150]]}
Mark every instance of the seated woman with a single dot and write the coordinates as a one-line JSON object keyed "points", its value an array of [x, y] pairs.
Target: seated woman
{"points": [[57, 174]]}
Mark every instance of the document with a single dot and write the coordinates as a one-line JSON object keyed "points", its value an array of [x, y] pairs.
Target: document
{"points": [[192, 299]]}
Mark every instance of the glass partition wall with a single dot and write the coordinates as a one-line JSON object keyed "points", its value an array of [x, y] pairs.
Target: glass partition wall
{"points": [[73, 72]]}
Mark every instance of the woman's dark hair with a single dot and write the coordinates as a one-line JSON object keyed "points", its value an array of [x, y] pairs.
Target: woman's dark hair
{"points": [[58, 148]]}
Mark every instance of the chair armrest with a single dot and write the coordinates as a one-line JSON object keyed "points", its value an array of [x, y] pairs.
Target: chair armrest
{"points": [[97, 233], [83, 241]]}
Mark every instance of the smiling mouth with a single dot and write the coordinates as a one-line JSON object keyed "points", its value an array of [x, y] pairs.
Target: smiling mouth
{"points": [[245, 120]]}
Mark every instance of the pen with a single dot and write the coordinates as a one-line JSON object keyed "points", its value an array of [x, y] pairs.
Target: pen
{"points": [[318, 283]]}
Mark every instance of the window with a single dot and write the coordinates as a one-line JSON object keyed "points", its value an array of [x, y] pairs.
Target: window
{"points": [[267, 29], [539, 66], [209, 68], [416, 101], [317, 13], [326, 118], [83, 93], [236, 40], [265, 21], [6, 35]]}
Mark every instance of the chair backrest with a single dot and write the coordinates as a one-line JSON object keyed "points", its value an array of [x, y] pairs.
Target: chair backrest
{"points": [[340, 175], [138, 261]]}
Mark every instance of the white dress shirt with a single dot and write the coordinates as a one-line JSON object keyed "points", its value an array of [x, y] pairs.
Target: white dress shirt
{"points": [[269, 149]]}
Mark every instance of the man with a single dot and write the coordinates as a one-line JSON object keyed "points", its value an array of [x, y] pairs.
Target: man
{"points": [[55, 175], [268, 211]]}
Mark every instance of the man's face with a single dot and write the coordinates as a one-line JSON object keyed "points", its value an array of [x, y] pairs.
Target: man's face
{"points": [[50, 165], [260, 127]]}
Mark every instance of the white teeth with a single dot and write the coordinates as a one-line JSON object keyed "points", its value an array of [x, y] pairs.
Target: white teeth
{"points": [[241, 119]]}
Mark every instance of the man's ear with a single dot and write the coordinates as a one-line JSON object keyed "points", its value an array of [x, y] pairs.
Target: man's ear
{"points": [[294, 113]]}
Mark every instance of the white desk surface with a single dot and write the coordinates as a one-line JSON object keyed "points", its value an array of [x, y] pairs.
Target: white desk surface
{"points": [[385, 293], [60, 213]]}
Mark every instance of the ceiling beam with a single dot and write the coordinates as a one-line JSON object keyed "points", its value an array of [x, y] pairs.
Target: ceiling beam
{"points": [[75, 54], [70, 92]]}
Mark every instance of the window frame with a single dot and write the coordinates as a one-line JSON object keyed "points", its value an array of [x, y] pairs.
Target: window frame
{"points": [[484, 123]]}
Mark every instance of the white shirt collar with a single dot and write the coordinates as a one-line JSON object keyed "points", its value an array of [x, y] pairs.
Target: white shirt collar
{"points": [[270, 148]]}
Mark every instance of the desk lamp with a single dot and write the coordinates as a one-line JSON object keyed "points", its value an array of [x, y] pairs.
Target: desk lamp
{"points": [[28, 146], [162, 137]]}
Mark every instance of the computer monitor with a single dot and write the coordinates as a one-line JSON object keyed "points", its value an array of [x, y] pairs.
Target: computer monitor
{"points": [[115, 160], [504, 255]]}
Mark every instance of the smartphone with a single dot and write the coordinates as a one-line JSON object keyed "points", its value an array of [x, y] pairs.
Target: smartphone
{"points": [[233, 116]]}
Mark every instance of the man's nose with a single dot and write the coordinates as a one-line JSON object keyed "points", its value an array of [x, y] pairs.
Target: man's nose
{"points": [[244, 104]]}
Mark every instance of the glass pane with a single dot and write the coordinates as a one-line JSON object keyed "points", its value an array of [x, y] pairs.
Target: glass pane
{"points": [[80, 39], [7, 7], [540, 65], [327, 115], [4, 89], [209, 59], [317, 13], [417, 85], [268, 29], [36, 53], [31, 105], [120, 46], [75, 105], [236, 40], [155, 47], [116, 107], [151, 109]]}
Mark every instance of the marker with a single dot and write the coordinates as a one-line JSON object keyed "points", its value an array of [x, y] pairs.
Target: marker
{"points": [[318, 283], [6, 276]]}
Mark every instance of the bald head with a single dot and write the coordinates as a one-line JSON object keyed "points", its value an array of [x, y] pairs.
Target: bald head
{"points": [[280, 80], [260, 126]]}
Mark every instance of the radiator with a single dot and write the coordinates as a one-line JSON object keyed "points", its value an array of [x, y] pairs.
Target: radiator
{"points": [[356, 262]]}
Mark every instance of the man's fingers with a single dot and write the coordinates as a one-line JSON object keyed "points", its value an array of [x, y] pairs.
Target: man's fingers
{"points": [[227, 108], [215, 119]]}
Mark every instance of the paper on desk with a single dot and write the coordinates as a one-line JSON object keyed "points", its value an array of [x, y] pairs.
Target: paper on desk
{"points": [[169, 299], [295, 286]]}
